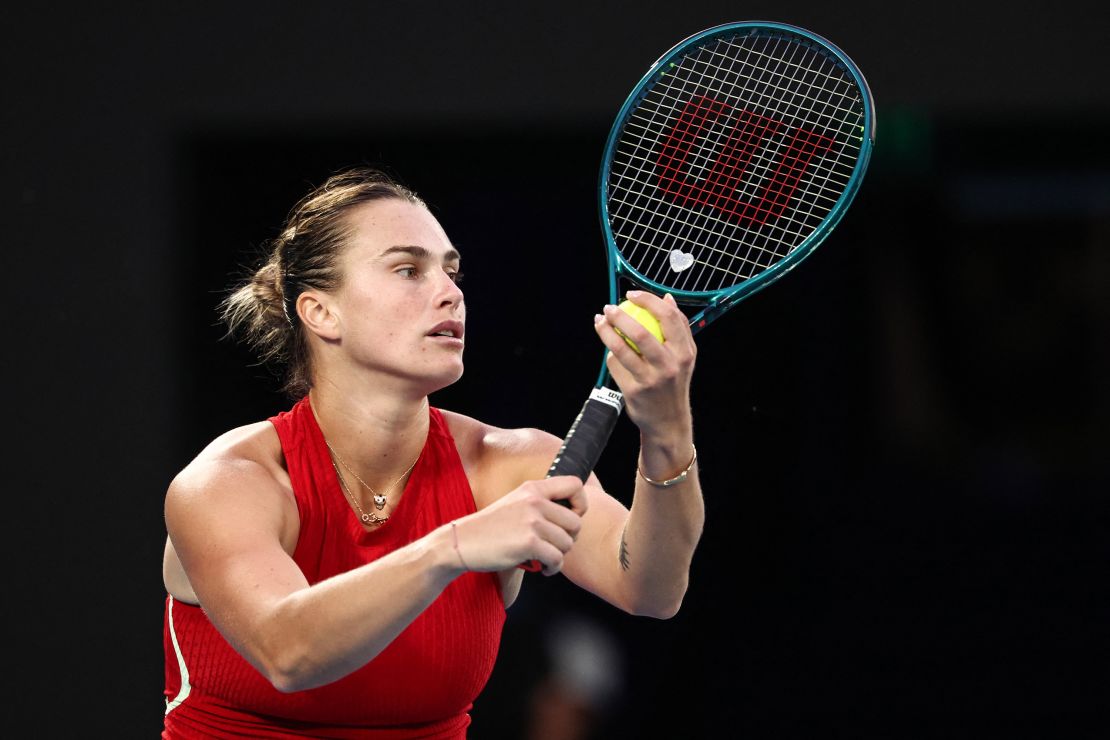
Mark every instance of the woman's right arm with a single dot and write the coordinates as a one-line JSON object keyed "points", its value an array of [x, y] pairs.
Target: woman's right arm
{"points": [[226, 517]]}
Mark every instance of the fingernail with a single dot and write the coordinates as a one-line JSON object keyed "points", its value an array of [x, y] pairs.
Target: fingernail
{"points": [[598, 318], [634, 293], [668, 296]]}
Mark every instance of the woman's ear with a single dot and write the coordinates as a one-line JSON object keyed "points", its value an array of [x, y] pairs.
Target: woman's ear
{"points": [[316, 312]]}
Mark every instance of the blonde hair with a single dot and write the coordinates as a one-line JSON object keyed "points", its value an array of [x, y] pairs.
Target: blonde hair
{"points": [[262, 310]]}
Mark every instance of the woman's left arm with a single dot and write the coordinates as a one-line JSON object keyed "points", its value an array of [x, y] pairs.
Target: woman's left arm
{"points": [[639, 558]]}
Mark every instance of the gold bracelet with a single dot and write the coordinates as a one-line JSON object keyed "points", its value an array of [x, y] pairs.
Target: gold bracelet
{"points": [[671, 481]]}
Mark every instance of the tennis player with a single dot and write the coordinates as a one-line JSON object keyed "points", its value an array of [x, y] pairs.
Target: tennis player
{"points": [[342, 569]]}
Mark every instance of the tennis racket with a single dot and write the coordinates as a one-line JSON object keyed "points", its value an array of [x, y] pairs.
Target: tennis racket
{"points": [[732, 160]]}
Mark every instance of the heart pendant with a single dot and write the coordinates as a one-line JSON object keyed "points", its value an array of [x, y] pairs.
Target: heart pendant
{"points": [[681, 260], [379, 501]]}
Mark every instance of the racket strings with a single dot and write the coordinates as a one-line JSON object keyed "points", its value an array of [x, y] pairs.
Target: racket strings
{"points": [[770, 99], [841, 84], [772, 95], [761, 165], [757, 143], [642, 164], [757, 256], [639, 123], [700, 59]]}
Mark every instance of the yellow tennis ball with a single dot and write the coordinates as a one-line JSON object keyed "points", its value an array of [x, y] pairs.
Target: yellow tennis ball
{"points": [[646, 320]]}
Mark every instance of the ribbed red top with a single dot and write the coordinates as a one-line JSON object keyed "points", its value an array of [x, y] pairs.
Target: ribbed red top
{"points": [[421, 686]]}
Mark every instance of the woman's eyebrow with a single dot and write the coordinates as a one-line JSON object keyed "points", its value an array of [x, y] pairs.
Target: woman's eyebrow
{"points": [[418, 252]]}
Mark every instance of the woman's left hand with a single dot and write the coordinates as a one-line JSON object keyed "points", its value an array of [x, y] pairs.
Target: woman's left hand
{"points": [[656, 380]]}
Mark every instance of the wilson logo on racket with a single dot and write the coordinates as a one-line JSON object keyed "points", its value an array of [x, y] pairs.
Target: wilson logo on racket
{"points": [[744, 142]]}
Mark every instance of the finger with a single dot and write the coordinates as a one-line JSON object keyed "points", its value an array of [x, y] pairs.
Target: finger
{"points": [[565, 516], [673, 327], [558, 487], [625, 378], [628, 325], [613, 318], [555, 535], [674, 322], [656, 305], [564, 490], [579, 504], [550, 558]]}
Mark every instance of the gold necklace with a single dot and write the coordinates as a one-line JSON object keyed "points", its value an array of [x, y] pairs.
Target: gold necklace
{"points": [[366, 518], [379, 498]]}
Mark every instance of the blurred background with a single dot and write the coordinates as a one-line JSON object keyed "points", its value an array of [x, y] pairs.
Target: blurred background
{"points": [[903, 445]]}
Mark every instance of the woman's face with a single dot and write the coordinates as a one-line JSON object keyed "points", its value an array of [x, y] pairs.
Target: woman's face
{"points": [[400, 311]]}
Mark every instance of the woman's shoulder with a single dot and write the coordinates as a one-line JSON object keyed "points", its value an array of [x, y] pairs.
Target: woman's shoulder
{"points": [[497, 459], [480, 439], [252, 451], [234, 491]]}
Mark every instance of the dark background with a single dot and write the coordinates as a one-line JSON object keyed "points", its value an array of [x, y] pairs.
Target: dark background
{"points": [[902, 444]]}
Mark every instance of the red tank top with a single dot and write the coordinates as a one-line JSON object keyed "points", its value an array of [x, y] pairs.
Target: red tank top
{"points": [[421, 686]]}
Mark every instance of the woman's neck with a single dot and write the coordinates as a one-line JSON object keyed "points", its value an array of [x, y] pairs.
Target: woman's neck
{"points": [[379, 434]]}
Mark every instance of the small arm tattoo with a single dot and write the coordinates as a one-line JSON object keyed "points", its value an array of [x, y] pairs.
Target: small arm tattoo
{"points": [[623, 554]]}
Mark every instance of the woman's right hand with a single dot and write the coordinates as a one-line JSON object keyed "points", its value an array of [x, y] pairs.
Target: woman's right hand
{"points": [[539, 520]]}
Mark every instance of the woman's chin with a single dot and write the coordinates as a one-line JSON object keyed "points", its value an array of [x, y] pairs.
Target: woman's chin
{"points": [[444, 377]]}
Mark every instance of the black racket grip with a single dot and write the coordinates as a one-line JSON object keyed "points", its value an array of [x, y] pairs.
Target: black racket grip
{"points": [[585, 442], [588, 435]]}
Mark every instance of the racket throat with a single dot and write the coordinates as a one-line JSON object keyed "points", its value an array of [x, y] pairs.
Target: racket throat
{"points": [[710, 313]]}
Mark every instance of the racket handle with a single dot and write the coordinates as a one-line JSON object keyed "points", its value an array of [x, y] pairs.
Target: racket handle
{"points": [[585, 442], [588, 434]]}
